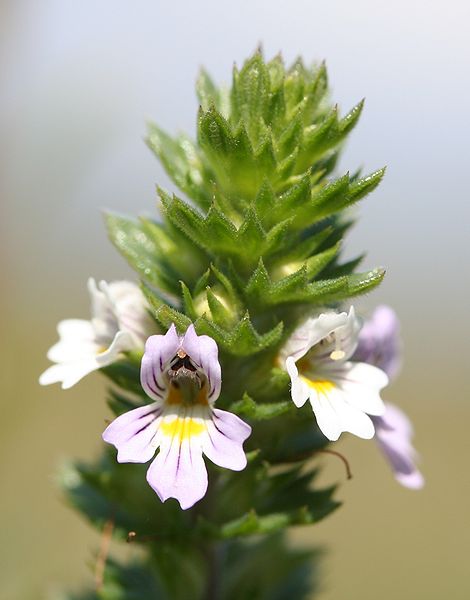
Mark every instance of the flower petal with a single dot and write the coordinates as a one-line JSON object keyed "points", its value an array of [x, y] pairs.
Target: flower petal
{"points": [[336, 414], [311, 332], [122, 342], [393, 434], [299, 390], [343, 338], [179, 472], [104, 320], [76, 341], [379, 341], [68, 373], [159, 350], [133, 433], [130, 308], [224, 443], [328, 419], [361, 384], [203, 352]]}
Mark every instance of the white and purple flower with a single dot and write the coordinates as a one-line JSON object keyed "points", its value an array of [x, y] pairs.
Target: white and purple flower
{"points": [[380, 345], [183, 377], [120, 322], [342, 393]]}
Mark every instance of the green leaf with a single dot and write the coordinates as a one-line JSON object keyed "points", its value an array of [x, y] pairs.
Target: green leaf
{"points": [[316, 263], [183, 217], [167, 316], [140, 250], [181, 161], [360, 283], [188, 302], [126, 375], [242, 339], [291, 137], [250, 95], [363, 186], [259, 283], [214, 133], [348, 122], [220, 315], [250, 409], [206, 91]]}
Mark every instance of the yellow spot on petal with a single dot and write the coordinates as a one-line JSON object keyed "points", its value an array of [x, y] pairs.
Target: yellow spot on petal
{"points": [[321, 386], [337, 354], [182, 428]]}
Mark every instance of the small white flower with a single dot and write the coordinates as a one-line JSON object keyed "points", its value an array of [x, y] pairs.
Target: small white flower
{"points": [[119, 323], [342, 393]]}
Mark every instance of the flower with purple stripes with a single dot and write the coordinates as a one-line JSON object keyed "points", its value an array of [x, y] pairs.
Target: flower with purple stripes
{"points": [[182, 375], [380, 345], [119, 322]]}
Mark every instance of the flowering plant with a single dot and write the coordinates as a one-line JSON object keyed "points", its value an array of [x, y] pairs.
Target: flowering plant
{"points": [[242, 315]]}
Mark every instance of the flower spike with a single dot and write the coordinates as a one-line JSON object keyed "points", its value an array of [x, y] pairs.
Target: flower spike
{"points": [[183, 377]]}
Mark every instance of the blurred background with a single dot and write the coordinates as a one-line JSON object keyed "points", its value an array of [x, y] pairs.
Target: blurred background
{"points": [[77, 82]]}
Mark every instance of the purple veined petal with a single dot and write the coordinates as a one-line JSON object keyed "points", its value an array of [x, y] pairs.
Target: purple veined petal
{"points": [[395, 420], [311, 332], [179, 472], [224, 443], [348, 334], [340, 343], [159, 350], [134, 432], [361, 384], [393, 435], [204, 353], [380, 342]]}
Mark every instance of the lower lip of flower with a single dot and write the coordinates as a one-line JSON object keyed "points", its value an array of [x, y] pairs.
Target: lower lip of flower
{"points": [[182, 429], [321, 386]]}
